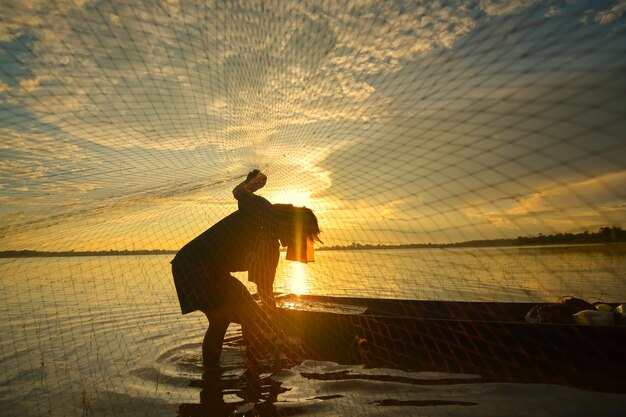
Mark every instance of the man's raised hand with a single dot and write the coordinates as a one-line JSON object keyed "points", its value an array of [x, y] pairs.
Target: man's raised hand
{"points": [[255, 180]]}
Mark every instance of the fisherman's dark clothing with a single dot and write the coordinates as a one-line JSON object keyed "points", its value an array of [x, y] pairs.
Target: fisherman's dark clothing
{"points": [[246, 240]]}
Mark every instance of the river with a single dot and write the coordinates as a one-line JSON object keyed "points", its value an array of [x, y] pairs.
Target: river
{"points": [[104, 335]]}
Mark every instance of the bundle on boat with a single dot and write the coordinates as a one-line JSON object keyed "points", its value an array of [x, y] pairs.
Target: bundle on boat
{"points": [[572, 310]]}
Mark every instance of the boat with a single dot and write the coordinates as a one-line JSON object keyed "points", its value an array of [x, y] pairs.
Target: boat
{"points": [[492, 340]]}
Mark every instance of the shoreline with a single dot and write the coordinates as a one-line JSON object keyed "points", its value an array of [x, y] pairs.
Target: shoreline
{"points": [[16, 254]]}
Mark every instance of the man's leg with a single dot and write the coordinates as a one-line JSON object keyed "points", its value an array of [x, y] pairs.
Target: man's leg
{"points": [[214, 337], [239, 307]]}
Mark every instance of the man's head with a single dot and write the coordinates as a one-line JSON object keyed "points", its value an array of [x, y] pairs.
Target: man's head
{"points": [[296, 224]]}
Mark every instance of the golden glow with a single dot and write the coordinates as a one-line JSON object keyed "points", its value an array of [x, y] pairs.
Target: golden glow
{"points": [[297, 198], [297, 278]]}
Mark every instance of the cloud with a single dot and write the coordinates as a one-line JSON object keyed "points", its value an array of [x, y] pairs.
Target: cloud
{"points": [[612, 14], [157, 77], [553, 11], [29, 85], [41, 16], [37, 160], [69, 188], [147, 100], [595, 192], [380, 37], [504, 7], [108, 90], [564, 207]]}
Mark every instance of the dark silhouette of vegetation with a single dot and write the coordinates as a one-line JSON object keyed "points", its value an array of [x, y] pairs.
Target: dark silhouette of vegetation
{"points": [[613, 234], [42, 254], [605, 235]]}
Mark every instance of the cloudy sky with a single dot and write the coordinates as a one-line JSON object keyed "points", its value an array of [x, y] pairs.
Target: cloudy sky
{"points": [[124, 125]]}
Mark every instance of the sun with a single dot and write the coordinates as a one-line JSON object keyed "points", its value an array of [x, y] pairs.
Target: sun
{"points": [[297, 198]]}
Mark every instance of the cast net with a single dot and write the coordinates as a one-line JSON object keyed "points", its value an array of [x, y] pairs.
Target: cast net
{"points": [[469, 154]]}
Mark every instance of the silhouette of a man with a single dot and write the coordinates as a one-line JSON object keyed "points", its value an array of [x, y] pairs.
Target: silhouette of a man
{"points": [[246, 240]]}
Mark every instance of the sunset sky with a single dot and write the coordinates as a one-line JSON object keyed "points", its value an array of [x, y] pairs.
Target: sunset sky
{"points": [[125, 125]]}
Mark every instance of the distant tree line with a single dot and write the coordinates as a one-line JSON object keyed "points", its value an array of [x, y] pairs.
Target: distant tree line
{"points": [[42, 254], [613, 234]]}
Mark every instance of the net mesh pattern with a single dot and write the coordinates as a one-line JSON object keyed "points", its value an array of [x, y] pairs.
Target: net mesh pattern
{"points": [[465, 161]]}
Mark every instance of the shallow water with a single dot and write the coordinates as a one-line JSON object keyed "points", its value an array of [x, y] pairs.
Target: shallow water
{"points": [[104, 335]]}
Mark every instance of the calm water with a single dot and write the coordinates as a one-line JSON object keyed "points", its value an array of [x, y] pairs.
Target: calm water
{"points": [[103, 335]]}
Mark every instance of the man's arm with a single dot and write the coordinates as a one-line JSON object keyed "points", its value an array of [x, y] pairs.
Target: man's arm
{"points": [[266, 293], [254, 181], [262, 269], [263, 272]]}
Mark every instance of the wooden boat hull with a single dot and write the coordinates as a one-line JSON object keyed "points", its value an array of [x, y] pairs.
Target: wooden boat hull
{"points": [[487, 339]]}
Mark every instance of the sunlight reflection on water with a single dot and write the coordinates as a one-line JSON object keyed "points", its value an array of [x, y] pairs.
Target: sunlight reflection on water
{"points": [[297, 278]]}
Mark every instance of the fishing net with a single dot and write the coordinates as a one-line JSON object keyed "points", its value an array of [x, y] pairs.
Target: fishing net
{"points": [[466, 154]]}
